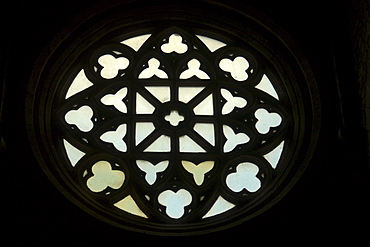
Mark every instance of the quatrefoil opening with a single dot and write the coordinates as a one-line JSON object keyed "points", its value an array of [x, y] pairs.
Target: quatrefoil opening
{"points": [[174, 45], [237, 67], [81, 118], [105, 177], [266, 120], [112, 65], [244, 178]]}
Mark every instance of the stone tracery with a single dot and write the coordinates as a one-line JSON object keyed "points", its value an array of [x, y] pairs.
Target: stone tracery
{"points": [[169, 116]]}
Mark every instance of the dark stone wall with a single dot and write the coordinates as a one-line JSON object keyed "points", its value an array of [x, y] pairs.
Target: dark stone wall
{"points": [[360, 33]]}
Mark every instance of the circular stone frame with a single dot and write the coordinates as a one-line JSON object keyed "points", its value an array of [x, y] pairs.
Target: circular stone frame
{"points": [[246, 27]]}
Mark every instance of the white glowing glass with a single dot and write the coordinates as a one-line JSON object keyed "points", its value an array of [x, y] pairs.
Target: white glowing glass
{"points": [[266, 86], [74, 154], [212, 44], [143, 106], [105, 177], [174, 118], [231, 102], [207, 131], [188, 145], [236, 67], [205, 107], [153, 70], [233, 139], [220, 206], [81, 118], [116, 100], [175, 202], [273, 157], [244, 178], [112, 65], [142, 130], [136, 42], [152, 170], [79, 83], [116, 137], [163, 94], [129, 205], [162, 144], [188, 93], [174, 45], [194, 70], [266, 120]]}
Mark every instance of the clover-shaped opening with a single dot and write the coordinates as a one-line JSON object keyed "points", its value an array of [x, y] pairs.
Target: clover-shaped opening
{"points": [[105, 177], [116, 100], [237, 67], [116, 137], [153, 70], [244, 178], [266, 120], [152, 170], [231, 102], [81, 118], [112, 65], [174, 45], [194, 70], [198, 171], [233, 139], [175, 202]]}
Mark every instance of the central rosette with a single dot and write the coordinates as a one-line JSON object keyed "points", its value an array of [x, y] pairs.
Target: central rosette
{"points": [[178, 116], [174, 118]]}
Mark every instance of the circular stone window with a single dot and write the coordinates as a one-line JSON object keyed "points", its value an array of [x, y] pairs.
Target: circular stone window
{"points": [[160, 124]]}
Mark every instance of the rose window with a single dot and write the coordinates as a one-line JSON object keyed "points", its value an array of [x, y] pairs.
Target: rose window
{"points": [[172, 134], [171, 129]]}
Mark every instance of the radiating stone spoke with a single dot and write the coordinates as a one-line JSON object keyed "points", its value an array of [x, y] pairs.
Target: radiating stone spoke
{"points": [[205, 107], [207, 131]]}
